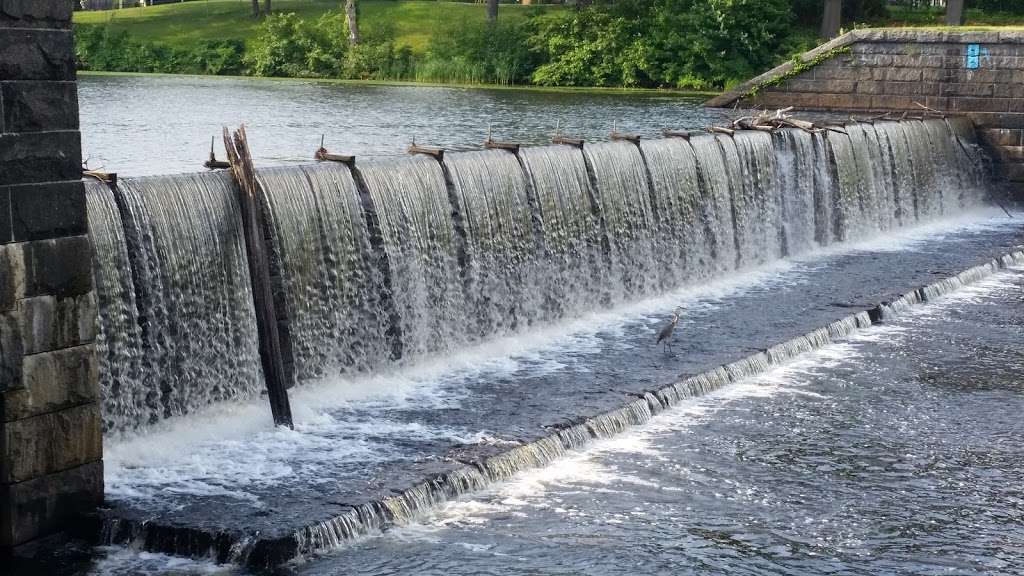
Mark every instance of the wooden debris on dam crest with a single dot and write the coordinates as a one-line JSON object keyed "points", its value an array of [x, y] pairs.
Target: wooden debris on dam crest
{"points": [[766, 121]]}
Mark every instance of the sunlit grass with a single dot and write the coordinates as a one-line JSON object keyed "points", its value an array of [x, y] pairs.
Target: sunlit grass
{"points": [[412, 22]]}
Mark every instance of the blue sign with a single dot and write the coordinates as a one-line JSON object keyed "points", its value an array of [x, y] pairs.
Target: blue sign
{"points": [[973, 56]]}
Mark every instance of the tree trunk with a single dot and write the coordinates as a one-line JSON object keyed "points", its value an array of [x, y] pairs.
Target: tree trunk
{"points": [[492, 10], [255, 8], [831, 19], [954, 12], [266, 7], [352, 18]]}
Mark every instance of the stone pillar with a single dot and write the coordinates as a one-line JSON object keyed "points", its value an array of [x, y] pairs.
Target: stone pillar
{"points": [[50, 431], [831, 19], [954, 12]]}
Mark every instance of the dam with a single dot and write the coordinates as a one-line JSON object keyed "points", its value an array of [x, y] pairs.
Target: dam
{"points": [[467, 339], [390, 272]]}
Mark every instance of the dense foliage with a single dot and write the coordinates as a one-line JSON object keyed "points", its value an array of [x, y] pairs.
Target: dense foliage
{"points": [[676, 43], [689, 44], [100, 48]]}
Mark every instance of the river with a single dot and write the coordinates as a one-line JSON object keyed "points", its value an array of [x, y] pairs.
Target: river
{"points": [[143, 125]]}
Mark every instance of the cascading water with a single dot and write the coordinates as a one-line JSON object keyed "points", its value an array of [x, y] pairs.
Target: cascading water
{"points": [[686, 251], [798, 176], [196, 339], [119, 350], [400, 259], [624, 203], [502, 269], [569, 228], [422, 246], [329, 278]]}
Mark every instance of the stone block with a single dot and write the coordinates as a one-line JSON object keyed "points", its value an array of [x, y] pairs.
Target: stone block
{"points": [[49, 443], [1008, 90], [973, 89], [870, 87], [32, 106], [50, 323], [843, 102], [10, 352], [40, 157], [48, 210], [1011, 37], [37, 54], [997, 120], [892, 102], [936, 103], [50, 503], [12, 276], [53, 381], [1010, 154], [6, 230], [35, 13], [1004, 62], [1002, 136], [981, 75], [966, 104], [932, 74], [60, 267]]}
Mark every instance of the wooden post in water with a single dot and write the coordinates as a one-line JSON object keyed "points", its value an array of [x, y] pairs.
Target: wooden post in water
{"points": [[249, 194]]}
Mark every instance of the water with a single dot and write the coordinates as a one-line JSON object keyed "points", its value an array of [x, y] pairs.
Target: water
{"points": [[177, 328], [874, 455], [842, 461], [399, 260], [363, 437], [144, 125]]}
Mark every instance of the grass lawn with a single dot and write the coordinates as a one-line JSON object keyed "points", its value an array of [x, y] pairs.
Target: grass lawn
{"points": [[413, 21]]}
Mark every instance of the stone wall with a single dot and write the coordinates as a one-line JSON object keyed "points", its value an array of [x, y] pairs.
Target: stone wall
{"points": [[50, 437], [979, 74]]}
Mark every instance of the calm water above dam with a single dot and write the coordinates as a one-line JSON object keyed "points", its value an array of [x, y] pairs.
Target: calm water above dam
{"points": [[142, 125]]}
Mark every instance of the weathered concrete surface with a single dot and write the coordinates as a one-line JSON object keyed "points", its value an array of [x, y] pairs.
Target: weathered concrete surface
{"points": [[50, 439], [979, 74]]}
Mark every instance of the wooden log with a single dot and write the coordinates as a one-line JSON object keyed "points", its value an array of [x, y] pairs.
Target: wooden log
{"points": [[720, 130], [249, 198], [577, 142], [427, 150], [107, 177], [494, 145], [684, 134], [634, 138], [324, 156]]}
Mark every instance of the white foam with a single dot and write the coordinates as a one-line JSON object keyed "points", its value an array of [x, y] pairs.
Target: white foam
{"points": [[227, 447]]}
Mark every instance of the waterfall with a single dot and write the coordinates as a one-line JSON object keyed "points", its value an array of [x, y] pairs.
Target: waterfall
{"points": [[391, 261], [196, 338], [119, 352], [569, 228], [337, 319], [686, 252], [716, 202], [503, 271], [418, 232], [624, 203]]}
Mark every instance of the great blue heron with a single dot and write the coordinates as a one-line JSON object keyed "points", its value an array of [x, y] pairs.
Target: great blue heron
{"points": [[666, 332]]}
